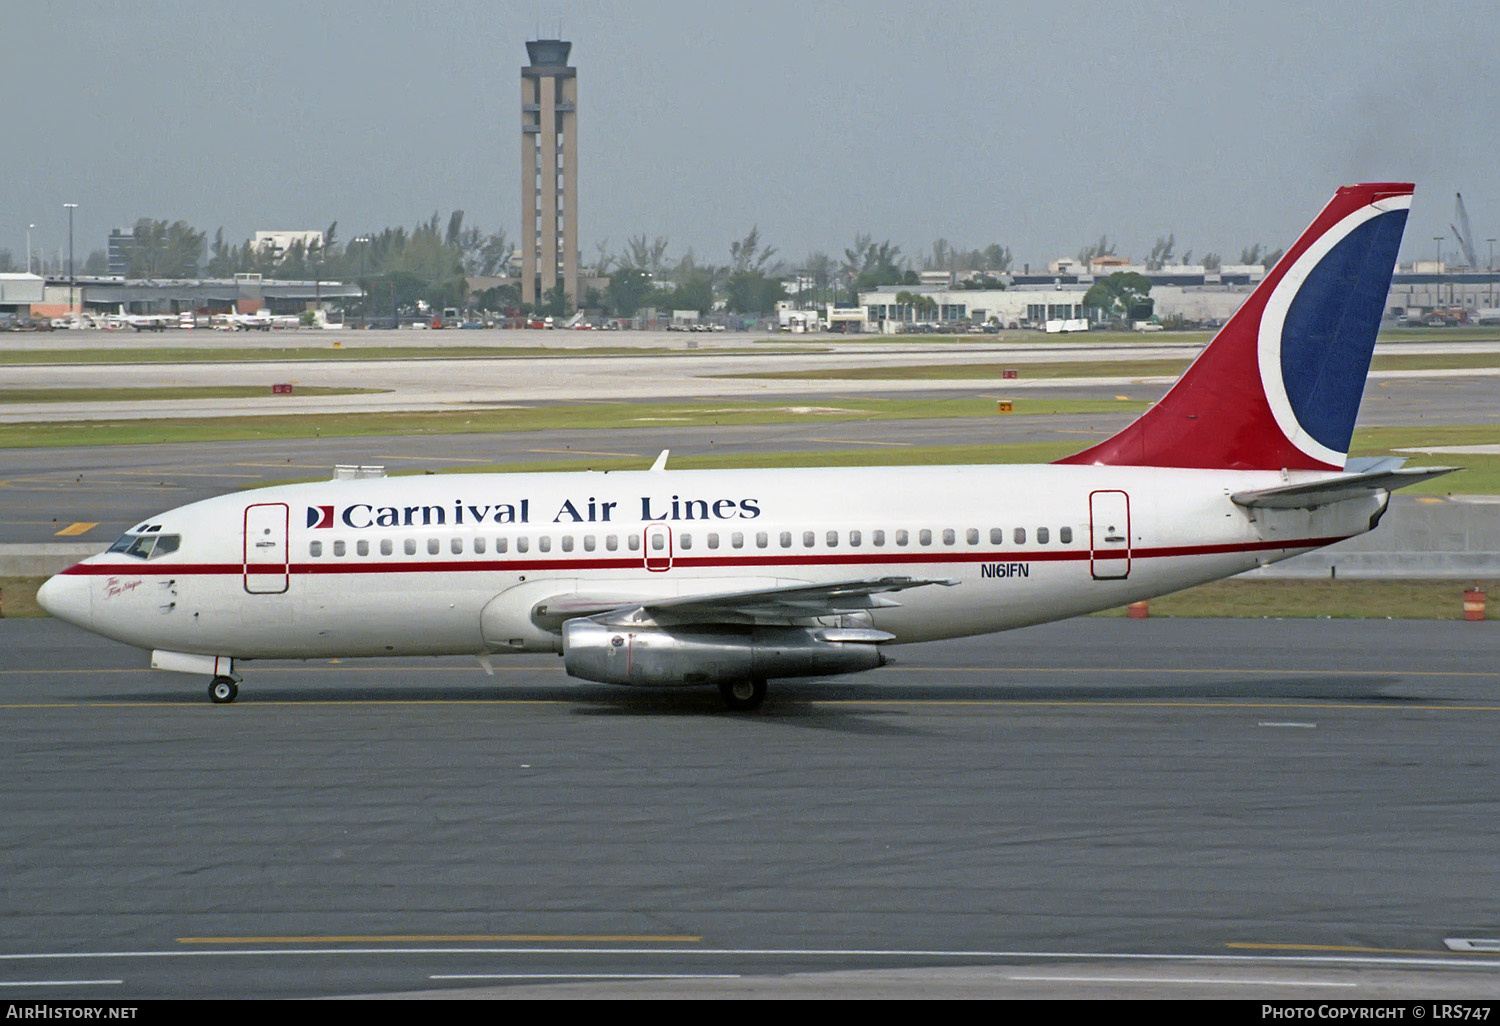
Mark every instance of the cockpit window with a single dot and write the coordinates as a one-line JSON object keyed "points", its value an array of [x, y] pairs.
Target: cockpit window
{"points": [[146, 546]]}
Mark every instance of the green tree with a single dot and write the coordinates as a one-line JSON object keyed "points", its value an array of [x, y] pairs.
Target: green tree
{"points": [[696, 293], [628, 290], [1124, 295], [162, 250], [1103, 247], [868, 264], [555, 303], [1161, 253]]}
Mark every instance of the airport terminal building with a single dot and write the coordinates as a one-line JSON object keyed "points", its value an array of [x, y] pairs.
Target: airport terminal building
{"points": [[1187, 295], [58, 296]]}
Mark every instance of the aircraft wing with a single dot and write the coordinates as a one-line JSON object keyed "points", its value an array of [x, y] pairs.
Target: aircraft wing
{"points": [[1337, 489], [774, 604]]}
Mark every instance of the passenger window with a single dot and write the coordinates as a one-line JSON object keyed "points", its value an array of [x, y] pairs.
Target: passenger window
{"points": [[456, 546], [338, 548], [1019, 536], [523, 543], [658, 541], [925, 536], [833, 539], [588, 543], [362, 547], [386, 548], [611, 542], [761, 540], [854, 539], [786, 539], [877, 538], [1065, 535], [478, 546], [633, 542], [410, 546], [685, 540], [972, 536], [500, 544], [948, 536], [567, 543], [737, 540], [315, 549], [432, 546], [544, 543], [997, 536], [808, 539], [901, 537], [1042, 536]]}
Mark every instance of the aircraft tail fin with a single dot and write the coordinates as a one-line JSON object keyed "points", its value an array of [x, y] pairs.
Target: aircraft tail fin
{"points": [[1279, 386]]}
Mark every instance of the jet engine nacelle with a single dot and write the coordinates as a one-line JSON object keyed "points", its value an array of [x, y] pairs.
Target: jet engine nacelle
{"points": [[657, 656]]}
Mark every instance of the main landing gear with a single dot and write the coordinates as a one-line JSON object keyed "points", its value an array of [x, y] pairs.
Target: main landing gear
{"points": [[743, 695], [223, 690]]}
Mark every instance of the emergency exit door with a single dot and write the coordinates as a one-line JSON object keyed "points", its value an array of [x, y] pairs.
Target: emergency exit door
{"points": [[1109, 535], [266, 554]]}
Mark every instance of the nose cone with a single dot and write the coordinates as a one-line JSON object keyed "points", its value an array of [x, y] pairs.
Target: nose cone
{"points": [[66, 597]]}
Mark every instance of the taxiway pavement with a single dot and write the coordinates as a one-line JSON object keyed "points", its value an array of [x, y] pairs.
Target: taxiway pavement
{"points": [[1161, 807]]}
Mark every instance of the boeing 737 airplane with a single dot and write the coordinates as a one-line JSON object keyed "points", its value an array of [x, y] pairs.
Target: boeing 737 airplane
{"points": [[729, 578]]}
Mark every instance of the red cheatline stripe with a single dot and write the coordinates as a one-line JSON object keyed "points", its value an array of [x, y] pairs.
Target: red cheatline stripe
{"points": [[398, 565]]}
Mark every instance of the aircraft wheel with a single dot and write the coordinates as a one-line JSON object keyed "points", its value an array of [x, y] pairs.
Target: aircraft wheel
{"points": [[223, 690], [743, 695]]}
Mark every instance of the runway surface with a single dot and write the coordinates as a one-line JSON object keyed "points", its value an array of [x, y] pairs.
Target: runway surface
{"points": [[1103, 807], [96, 492], [725, 368]]}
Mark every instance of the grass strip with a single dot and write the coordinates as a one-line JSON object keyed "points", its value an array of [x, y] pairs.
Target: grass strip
{"points": [[287, 354], [527, 418], [18, 597], [1163, 367], [1311, 599]]}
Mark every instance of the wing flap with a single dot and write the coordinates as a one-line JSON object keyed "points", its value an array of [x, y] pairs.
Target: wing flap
{"points": [[786, 602]]}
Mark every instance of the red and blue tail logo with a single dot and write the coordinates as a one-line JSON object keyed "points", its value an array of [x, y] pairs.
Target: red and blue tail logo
{"points": [[320, 516], [1279, 386]]}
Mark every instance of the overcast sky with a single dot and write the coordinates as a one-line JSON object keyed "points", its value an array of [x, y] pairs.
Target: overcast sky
{"points": [[1036, 126]]}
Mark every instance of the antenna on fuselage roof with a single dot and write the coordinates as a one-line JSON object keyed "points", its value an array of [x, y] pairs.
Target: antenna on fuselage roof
{"points": [[661, 461]]}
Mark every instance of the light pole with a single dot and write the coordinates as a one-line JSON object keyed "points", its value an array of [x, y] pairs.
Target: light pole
{"points": [[72, 278], [364, 290], [31, 226], [1491, 264]]}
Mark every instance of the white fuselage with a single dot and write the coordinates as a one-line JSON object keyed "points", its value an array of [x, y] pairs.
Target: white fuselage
{"points": [[458, 564]]}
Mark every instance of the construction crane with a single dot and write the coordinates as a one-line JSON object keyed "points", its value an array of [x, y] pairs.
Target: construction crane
{"points": [[1463, 232]]}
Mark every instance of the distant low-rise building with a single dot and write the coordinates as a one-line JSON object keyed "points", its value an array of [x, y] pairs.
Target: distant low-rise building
{"points": [[276, 243]]}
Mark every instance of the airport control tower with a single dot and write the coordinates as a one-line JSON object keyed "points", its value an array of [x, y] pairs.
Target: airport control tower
{"points": [[549, 171]]}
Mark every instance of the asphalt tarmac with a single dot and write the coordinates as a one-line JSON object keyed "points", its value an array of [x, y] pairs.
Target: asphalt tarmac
{"points": [[93, 493], [1165, 808]]}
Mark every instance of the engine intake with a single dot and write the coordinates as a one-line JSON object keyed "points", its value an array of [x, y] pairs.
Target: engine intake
{"points": [[666, 656]]}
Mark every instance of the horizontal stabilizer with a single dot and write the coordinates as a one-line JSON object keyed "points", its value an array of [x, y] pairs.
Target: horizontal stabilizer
{"points": [[1337, 489]]}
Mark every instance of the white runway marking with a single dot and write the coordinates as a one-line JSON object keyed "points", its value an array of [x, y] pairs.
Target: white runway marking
{"points": [[1436, 960], [1188, 980], [587, 976]]}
